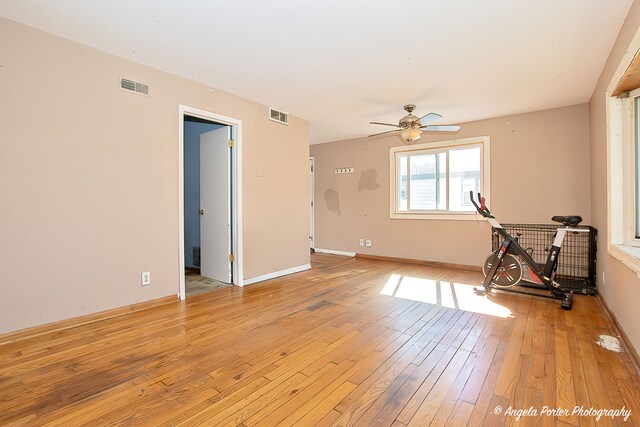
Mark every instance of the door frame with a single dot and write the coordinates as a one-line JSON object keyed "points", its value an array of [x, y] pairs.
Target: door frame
{"points": [[312, 227], [236, 191]]}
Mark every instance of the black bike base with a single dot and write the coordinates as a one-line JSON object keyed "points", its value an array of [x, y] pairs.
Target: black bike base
{"points": [[567, 300]]}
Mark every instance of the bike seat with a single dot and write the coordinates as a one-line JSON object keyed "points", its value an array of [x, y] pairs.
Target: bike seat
{"points": [[571, 220]]}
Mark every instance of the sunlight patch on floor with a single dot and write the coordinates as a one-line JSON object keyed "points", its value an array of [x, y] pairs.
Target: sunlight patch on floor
{"points": [[446, 294]]}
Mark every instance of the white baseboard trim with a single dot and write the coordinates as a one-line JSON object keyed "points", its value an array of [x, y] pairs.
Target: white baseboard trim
{"points": [[331, 251], [276, 274]]}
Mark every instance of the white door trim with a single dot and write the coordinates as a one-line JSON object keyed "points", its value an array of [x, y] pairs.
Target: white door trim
{"points": [[313, 202], [236, 190]]}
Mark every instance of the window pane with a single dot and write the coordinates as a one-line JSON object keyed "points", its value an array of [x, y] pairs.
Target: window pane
{"points": [[636, 112], [442, 181], [423, 182], [464, 176], [402, 183]]}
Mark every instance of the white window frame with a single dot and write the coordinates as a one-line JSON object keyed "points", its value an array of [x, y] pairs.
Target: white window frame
{"points": [[629, 169], [484, 143], [621, 169]]}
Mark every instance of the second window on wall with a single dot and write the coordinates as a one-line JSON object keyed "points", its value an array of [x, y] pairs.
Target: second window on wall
{"points": [[432, 179]]}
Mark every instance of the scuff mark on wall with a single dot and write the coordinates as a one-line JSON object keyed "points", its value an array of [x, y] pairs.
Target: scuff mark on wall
{"points": [[332, 199], [368, 180]]}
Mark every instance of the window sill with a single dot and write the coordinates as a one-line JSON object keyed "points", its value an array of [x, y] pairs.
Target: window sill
{"points": [[628, 255], [451, 216]]}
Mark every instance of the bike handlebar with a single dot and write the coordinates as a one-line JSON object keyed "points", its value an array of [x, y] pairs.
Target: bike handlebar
{"points": [[482, 208]]}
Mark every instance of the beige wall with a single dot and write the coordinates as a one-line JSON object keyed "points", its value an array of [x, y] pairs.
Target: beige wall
{"points": [[621, 288], [539, 168], [89, 180]]}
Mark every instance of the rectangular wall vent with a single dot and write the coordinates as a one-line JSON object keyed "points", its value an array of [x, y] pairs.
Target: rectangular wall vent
{"points": [[130, 85], [278, 116], [196, 256]]}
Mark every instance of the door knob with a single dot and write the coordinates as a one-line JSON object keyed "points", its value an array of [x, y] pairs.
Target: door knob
{"points": [[201, 211]]}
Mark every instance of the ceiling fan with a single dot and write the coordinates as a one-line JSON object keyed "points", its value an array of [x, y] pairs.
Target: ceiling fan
{"points": [[410, 127]]}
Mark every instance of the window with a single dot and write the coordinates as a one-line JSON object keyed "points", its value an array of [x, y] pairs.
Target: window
{"points": [[623, 140], [433, 180]]}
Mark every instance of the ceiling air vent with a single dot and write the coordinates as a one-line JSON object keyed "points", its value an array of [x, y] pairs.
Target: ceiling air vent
{"points": [[278, 116], [130, 85]]}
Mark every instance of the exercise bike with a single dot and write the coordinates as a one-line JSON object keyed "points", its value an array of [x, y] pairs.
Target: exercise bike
{"points": [[512, 265]]}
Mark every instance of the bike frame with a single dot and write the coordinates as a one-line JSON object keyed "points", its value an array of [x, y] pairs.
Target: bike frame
{"points": [[510, 245]]}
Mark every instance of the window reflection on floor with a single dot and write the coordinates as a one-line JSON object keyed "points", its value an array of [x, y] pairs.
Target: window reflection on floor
{"points": [[446, 294]]}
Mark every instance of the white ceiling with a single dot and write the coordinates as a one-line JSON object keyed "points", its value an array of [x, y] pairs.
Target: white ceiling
{"points": [[342, 63]]}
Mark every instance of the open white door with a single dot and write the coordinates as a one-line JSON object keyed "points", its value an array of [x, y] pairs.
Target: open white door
{"points": [[215, 205], [311, 231]]}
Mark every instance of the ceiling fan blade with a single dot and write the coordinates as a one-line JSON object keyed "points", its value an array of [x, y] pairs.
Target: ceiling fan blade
{"points": [[428, 118], [382, 133], [452, 128], [384, 124]]}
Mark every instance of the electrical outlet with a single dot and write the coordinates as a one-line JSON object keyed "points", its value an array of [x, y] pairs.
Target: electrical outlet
{"points": [[368, 243], [361, 242], [146, 278]]}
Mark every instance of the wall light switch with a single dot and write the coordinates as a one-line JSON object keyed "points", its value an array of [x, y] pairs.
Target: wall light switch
{"points": [[146, 278], [361, 242]]}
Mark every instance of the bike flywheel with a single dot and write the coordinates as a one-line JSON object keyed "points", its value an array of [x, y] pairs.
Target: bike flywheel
{"points": [[509, 271]]}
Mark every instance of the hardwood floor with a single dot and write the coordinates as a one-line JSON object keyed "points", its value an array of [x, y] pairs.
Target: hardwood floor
{"points": [[350, 342]]}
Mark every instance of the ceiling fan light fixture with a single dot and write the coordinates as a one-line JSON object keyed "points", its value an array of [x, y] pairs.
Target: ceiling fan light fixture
{"points": [[411, 134], [410, 127]]}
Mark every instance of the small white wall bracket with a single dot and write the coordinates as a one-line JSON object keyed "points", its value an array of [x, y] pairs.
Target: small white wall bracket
{"points": [[345, 170]]}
